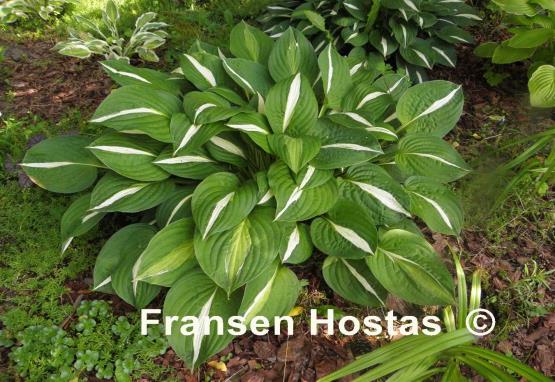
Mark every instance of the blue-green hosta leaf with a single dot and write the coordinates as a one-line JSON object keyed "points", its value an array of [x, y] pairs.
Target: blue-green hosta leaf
{"points": [[336, 76], [234, 257], [138, 294], [455, 35], [291, 106], [203, 70], [128, 242], [168, 256], [352, 280], [296, 246], [408, 267], [425, 155], [372, 187], [188, 137], [114, 193], [207, 107], [433, 107], [419, 53], [139, 109], [130, 155], [249, 75], [272, 294], [254, 125], [297, 200], [542, 87], [221, 201], [177, 206], [77, 220], [346, 231], [296, 152], [61, 164], [194, 165], [228, 147], [197, 296], [383, 44], [344, 146], [293, 54], [362, 120], [434, 203], [403, 32], [250, 43]]}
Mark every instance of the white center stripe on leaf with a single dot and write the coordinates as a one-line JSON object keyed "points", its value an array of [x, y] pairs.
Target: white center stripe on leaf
{"points": [[439, 159], [351, 146], [267, 196], [122, 150], [447, 21], [405, 38], [468, 16], [378, 129], [395, 85], [383, 196], [369, 97], [438, 208], [217, 211], [125, 74], [249, 128], [204, 322], [193, 129], [351, 36], [184, 160], [330, 71], [66, 244], [202, 108], [261, 104], [89, 217], [259, 298], [384, 46], [292, 99], [307, 176], [352, 237], [295, 195], [319, 46], [358, 118], [203, 70], [351, 6], [438, 104], [404, 14], [420, 79], [365, 284], [178, 207], [411, 5], [459, 38], [391, 118], [118, 196], [106, 281], [292, 243], [243, 80], [228, 146], [138, 110], [444, 55], [355, 68], [423, 57], [48, 164]]}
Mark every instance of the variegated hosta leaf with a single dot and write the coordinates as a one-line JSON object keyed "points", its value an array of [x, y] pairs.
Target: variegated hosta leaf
{"points": [[455, 35], [114, 193], [228, 147], [168, 256], [434, 203], [188, 137], [293, 54], [291, 106], [61, 164], [177, 206], [345, 231], [433, 107], [445, 54], [130, 155], [296, 246], [195, 295], [221, 201], [352, 280], [404, 32], [298, 200], [115, 262], [250, 43], [372, 187], [207, 107], [194, 165], [124, 74], [272, 294], [139, 109], [295, 151], [234, 257], [354, 37], [362, 120], [383, 44], [343, 146], [254, 125], [77, 220], [393, 84], [253, 77], [367, 99], [425, 155], [419, 53], [203, 70], [335, 76], [408, 267]]}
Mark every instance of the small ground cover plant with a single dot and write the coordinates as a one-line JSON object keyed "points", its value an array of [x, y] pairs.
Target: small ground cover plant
{"points": [[14, 10], [413, 35], [247, 161]]}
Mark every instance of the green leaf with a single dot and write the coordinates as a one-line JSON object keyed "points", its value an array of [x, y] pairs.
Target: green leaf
{"points": [[315, 19], [61, 164], [77, 220], [516, 7], [188, 137], [296, 246], [421, 154], [177, 206], [203, 70], [228, 147], [504, 54], [352, 280], [542, 87], [295, 152], [455, 35], [530, 38], [195, 165], [408, 267], [251, 76], [254, 125], [250, 43], [195, 295], [124, 74], [485, 49], [335, 76]]}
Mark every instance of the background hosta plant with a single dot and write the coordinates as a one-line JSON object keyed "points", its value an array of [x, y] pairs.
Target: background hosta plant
{"points": [[13, 10], [413, 35], [108, 39], [249, 162]]}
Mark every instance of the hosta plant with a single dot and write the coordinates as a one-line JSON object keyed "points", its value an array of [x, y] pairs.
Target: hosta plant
{"points": [[14, 10], [108, 40], [252, 161], [413, 35]]}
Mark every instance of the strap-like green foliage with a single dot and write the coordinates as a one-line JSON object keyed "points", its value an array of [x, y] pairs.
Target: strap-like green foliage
{"points": [[418, 34], [265, 156]]}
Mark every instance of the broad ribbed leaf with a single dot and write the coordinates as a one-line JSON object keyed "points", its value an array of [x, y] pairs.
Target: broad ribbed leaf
{"points": [[335, 76], [221, 201], [352, 280], [455, 35], [250, 43], [78, 220], [203, 70], [421, 154], [188, 137], [530, 38], [296, 152], [177, 206], [195, 295], [249, 75], [296, 246], [254, 125], [61, 164], [125, 74], [419, 53], [362, 120], [207, 107], [542, 87], [408, 267], [383, 44], [369, 100], [504, 54], [234, 257], [228, 147], [194, 165]]}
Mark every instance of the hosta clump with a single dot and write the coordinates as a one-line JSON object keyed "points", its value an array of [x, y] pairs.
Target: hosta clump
{"points": [[246, 163], [13, 10], [415, 34]]}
